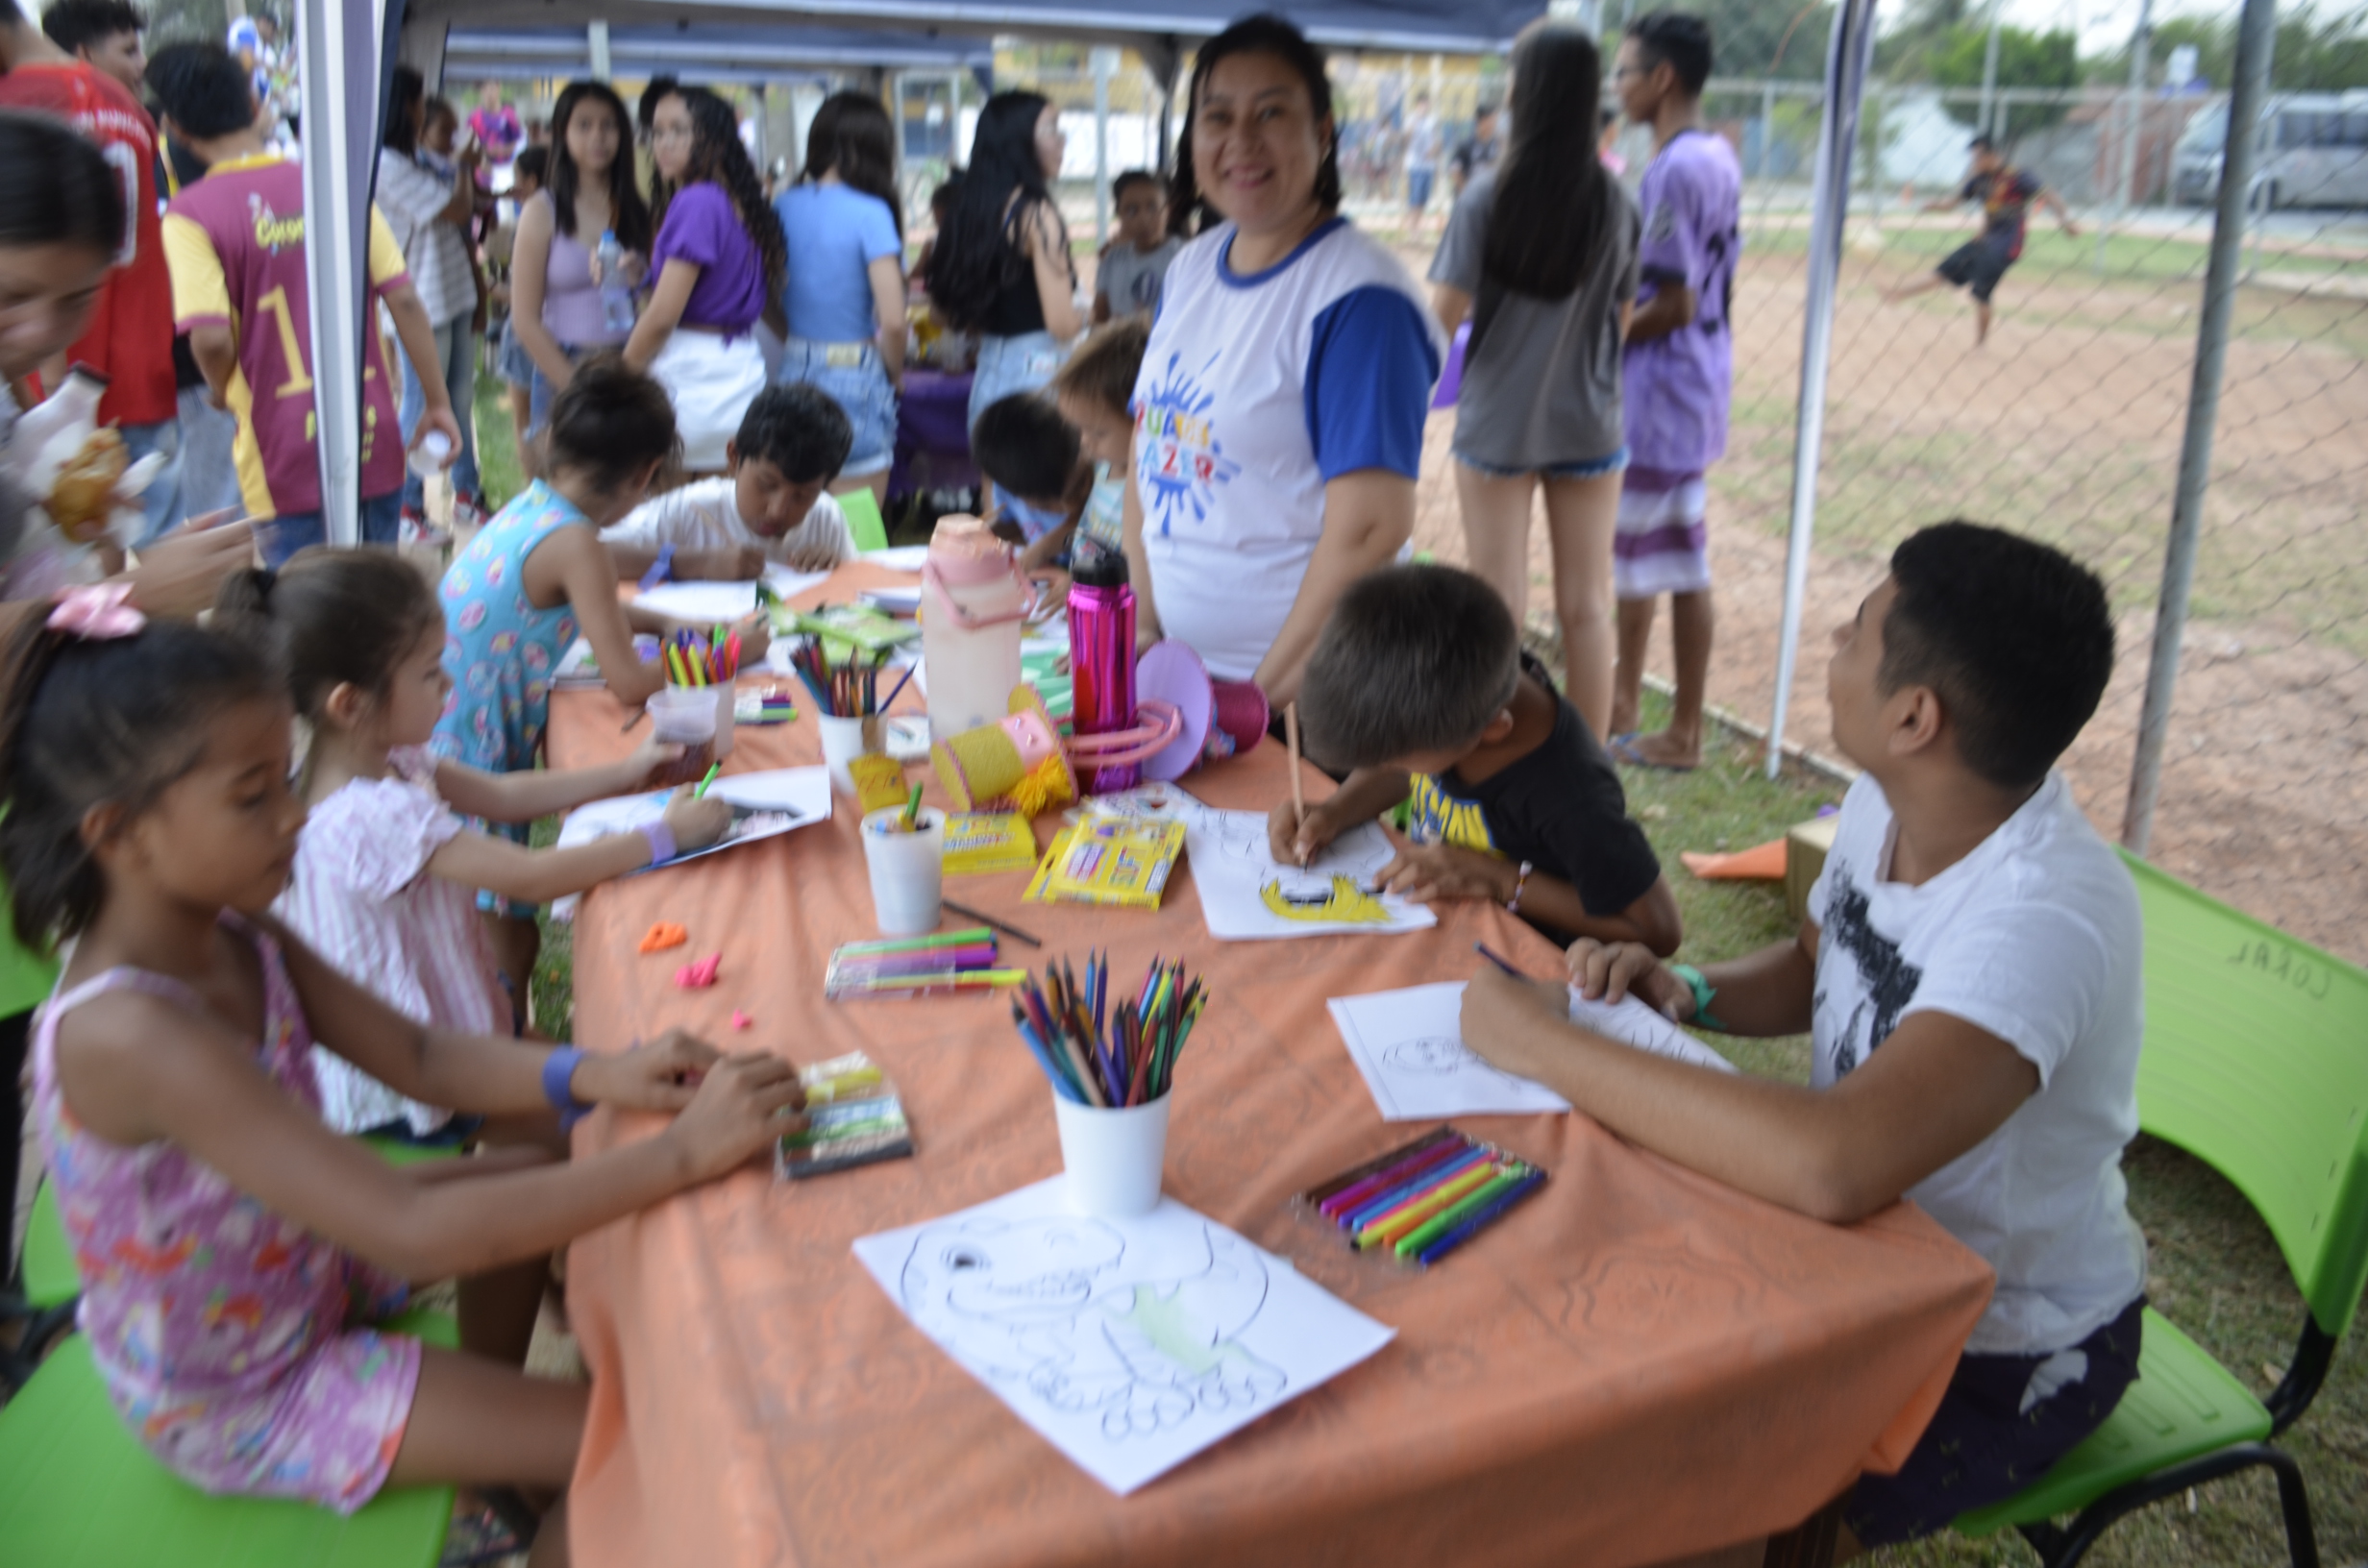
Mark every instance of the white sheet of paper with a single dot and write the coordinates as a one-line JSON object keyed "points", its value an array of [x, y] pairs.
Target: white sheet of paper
{"points": [[769, 803], [724, 601], [1408, 1048], [898, 601], [1129, 1344], [898, 558], [1244, 895]]}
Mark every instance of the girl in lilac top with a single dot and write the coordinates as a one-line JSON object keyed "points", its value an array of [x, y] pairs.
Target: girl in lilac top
{"points": [[555, 296], [720, 259]]}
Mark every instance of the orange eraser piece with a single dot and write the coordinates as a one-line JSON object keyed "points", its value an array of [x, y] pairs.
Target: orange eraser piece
{"points": [[663, 936]]}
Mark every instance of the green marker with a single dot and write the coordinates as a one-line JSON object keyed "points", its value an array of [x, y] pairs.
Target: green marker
{"points": [[713, 768], [1411, 1244]]}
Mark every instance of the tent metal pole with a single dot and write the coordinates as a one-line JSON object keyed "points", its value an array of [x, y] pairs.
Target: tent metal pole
{"points": [[339, 50], [1105, 61], [1847, 54], [596, 40]]}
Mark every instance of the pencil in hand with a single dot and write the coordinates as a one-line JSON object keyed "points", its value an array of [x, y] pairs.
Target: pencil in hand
{"points": [[1298, 790]]}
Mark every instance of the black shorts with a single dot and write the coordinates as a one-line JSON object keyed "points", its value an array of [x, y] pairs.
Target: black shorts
{"points": [[1977, 263], [1983, 1446]]}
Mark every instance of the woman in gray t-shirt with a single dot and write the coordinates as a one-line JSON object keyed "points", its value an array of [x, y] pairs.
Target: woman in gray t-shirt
{"points": [[1542, 253]]}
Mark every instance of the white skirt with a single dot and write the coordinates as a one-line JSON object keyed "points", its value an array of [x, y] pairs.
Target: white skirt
{"points": [[712, 380]]}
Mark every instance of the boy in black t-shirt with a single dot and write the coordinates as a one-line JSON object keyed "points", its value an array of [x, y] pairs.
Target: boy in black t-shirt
{"points": [[1420, 686]]}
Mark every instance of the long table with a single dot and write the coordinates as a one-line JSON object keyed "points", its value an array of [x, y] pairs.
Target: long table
{"points": [[1637, 1364]]}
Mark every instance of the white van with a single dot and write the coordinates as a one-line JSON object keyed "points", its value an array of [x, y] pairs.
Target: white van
{"points": [[2312, 152]]}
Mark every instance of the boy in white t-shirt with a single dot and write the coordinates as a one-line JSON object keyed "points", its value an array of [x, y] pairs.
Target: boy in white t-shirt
{"points": [[1969, 973], [769, 507]]}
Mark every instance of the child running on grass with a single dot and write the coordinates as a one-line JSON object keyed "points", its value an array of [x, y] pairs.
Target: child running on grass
{"points": [[237, 1256]]}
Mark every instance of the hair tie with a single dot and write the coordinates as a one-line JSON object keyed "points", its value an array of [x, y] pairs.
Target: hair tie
{"points": [[96, 613]]}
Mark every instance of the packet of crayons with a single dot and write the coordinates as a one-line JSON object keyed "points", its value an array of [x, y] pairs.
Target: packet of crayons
{"points": [[1424, 1199], [853, 1118], [941, 963], [1118, 861]]}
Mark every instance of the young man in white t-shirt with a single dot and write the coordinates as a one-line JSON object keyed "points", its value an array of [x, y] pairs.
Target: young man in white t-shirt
{"points": [[771, 507], [1969, 973]]}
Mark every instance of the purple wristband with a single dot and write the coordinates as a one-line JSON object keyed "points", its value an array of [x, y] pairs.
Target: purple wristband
{"points": [[558, 1067], [661, 841]]}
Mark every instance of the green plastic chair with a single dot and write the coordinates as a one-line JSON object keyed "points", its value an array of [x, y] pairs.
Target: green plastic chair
{"points": [[76, 1491], [2256, 1063], [864, 523]]}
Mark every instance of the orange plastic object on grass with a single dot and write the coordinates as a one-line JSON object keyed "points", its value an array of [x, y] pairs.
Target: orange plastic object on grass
{"points": [[1760, 863]]}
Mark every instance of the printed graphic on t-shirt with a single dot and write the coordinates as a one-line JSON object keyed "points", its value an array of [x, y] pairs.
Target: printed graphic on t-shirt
{"points": [[1887, 981], [1433, 816], [1183, 460]]}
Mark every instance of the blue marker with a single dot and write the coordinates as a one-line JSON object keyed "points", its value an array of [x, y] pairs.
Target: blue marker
{"points": [[1473, 1224]]}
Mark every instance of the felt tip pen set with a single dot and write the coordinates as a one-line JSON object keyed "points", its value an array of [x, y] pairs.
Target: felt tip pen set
{"points": [[977, 843], [1424, 1199], [1118, 861], [853, 1118], [943, 963], [1097, 1056], [695, 659]]}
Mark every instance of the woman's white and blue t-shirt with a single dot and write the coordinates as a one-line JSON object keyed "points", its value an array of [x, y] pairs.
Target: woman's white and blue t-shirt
{"points": [[1255, 391]]}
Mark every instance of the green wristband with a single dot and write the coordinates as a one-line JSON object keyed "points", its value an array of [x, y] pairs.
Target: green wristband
{"points": [[1702, 994]]}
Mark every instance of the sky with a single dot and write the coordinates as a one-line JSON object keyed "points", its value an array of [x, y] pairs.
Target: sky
{"points": [[2105, 24]]}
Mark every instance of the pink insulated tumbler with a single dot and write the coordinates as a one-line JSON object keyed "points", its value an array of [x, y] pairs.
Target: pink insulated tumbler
{"points": [[1101, 658]]}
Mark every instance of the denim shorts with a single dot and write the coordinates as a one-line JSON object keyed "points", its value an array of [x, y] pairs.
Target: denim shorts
{"points": [[381, 518], [1026, 363], [1593, 469], [512, 363], [856, 380]]}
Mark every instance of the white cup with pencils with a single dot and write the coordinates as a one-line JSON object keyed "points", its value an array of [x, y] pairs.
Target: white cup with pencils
{"points": [[1111, 1061], [904, 849]]}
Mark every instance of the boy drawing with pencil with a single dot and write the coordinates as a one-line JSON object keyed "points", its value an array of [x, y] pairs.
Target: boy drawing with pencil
{"points": [[770, 508], [1969, 972], [1420, 686]]}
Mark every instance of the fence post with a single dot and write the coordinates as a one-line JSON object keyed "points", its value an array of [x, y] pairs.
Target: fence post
{"points": [[1847, 52], [2256, 33], [2133, 125]]}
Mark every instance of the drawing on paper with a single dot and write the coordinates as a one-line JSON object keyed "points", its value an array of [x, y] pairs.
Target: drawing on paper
{"points": [[1437, 1056], [1332, 900], [1054, 1306], [1245, 893]]}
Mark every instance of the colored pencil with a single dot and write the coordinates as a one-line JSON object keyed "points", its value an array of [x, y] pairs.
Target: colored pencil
{"points": [[1498, 959], [1298, 790], [701, 793], [985, 919]]}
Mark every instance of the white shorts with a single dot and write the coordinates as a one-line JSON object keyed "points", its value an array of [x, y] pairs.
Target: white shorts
{"points": [[1661, 541], [712, 380]]}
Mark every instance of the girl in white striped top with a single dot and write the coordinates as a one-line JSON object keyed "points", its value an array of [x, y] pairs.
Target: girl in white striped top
{"points": [[387, 873]]}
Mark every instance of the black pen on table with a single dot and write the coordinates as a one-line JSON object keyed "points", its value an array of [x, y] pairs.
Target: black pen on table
{"points": [[985, 919], [1496, 958]]}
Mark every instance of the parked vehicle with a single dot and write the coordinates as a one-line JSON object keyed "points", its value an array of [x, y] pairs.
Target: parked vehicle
{"points": [[2312, 152]]}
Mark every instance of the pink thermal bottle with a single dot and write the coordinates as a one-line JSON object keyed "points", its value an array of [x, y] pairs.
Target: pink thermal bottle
{"points": [[1101, 656]]}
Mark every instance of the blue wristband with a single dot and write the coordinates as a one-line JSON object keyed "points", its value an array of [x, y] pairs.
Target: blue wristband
{"points": [[558, 1068]]}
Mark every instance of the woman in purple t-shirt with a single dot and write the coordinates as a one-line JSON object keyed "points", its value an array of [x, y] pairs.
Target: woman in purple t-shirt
{"points": [[718, 259]]}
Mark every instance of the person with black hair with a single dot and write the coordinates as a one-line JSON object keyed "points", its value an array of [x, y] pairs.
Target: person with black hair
{"points": [[235, 241], [429, 210], [102, 34], [1679, 374], [557, 307], [1134, 264], [2005, 195], [1478, 151], [1420, 690], [773, 507], [844, 299], [1001, 267], [1282, 399], [1031, 454], [1541, 253], [129, 339], [1969, 977]]}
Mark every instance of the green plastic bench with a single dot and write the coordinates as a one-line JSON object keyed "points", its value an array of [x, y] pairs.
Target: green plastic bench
{"points": [[2256, 1063], [76, 1491]]}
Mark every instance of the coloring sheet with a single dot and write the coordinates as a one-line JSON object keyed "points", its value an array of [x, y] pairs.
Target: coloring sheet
{"points": [[764, 805], [696, 602], [898, 558], [1409, 1046], [1246, 896], [1129, 1344]]}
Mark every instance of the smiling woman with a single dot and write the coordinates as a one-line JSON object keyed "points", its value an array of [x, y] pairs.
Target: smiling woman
{"points": [[1281, 406]]}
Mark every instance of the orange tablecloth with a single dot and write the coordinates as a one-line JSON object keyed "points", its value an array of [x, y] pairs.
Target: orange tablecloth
{"points": [[1638, 1362]]}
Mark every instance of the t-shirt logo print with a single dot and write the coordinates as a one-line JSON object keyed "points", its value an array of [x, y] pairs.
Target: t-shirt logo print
{"points": [[1181, 462], [1888, 982]]}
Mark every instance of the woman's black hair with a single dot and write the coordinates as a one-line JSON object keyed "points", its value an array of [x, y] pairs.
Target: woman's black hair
{"points": [[717, 156], [88, 723], [1550, 223], [55, 187], [406, 97], [853, 135], [330, 618], [1264, 34], [628, 216], [610, 423], [978, 254]]}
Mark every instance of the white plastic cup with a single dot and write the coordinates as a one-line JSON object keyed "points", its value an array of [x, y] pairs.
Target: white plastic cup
{"points": [[844, 740], [908, 870], [725, 695], [685, 716], [431, 456], [1114, 1159]]}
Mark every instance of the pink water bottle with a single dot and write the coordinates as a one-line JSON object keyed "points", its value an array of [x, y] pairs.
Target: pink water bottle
{"points": [[1102, 659]]}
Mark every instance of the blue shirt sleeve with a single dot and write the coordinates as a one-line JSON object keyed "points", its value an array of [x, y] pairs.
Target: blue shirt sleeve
{"points": [[1370, 369], [876, 228]]}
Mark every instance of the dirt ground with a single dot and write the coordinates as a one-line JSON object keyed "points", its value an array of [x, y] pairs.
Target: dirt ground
{"points": [[2068, 425]]}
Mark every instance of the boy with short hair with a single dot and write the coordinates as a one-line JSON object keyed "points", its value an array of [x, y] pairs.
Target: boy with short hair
{"points": [[1030, 454], [771, 507], [1134, 264], [1420, 686], [2007, 195], [104, 34], [1969, 973]]}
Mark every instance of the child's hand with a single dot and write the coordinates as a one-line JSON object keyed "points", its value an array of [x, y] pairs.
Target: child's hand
{"points": [[744, 1103], [664, 1076], [1296, 843], [819, 555], [648, 757], [1501, 1018], [1606, 972], [728, 563], [1429, 873], [755, 636], [697, 822]]}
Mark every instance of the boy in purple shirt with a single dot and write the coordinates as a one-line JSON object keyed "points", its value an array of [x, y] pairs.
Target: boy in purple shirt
{"points": [[1677, 372]]}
